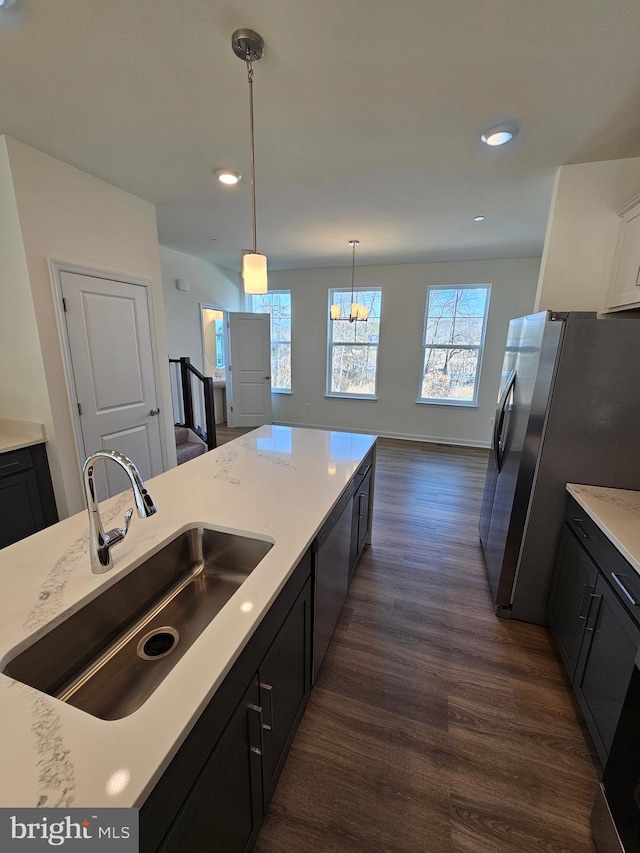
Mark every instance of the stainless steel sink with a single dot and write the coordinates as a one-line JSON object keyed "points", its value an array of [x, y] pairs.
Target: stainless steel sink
{"points": [[109, 657]]}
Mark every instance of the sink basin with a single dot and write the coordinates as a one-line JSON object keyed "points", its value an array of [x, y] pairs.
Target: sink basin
{"points": [[109, 657]]}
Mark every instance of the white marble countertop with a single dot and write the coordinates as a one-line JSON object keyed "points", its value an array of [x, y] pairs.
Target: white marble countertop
{"points": [[278, 483], [617, 514], [17, 434]]}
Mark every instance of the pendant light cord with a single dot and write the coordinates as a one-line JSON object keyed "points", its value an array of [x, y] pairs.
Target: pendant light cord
{"points": [[353, 269], [253, 152]]}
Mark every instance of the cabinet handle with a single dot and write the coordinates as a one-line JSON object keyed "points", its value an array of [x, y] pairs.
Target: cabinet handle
{"points": [[8, 465], [582, 615], [623, 589], [269, 689], [593, 598], [581, 530], [360, 496], [256, 750]]}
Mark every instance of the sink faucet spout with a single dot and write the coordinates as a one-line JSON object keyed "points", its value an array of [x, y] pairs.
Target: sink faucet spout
{"points": [[101, 542]]}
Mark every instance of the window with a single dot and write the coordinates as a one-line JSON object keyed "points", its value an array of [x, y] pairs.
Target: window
{"points": [[278, 304], [454, 329], [353, 347]]}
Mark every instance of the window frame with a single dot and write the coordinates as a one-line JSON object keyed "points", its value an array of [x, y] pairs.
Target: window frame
{"points": [[278, 292], [479, 348], [346, 395]]}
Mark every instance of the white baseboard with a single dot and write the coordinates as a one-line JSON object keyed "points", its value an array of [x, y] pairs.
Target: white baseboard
{"points": [[427, 439]]}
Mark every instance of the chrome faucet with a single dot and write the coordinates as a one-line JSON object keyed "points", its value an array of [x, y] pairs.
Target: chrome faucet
{"points": [[100, 543]]}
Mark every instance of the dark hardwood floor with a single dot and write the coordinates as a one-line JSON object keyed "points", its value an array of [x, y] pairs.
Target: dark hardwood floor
{"points": [[433, 726], [225, 433]]}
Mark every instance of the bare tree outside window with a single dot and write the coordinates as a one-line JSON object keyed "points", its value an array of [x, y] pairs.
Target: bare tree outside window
{"points": [[277, 303], [454, 332], [353, 347]]}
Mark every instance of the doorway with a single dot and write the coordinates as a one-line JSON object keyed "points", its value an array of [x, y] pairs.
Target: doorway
{"points": [[213, 323]]}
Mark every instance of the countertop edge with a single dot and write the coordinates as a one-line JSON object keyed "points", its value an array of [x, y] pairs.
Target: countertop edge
{"points": [[586, 496]]}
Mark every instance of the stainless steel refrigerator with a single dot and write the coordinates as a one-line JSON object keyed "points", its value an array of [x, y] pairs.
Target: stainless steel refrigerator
{"points": [[568, 412]]}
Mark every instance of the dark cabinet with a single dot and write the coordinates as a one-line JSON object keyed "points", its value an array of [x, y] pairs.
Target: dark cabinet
{"points": [[284, 687], [594, 620], [224, 809], [26, 494], [605, 665], [214, 792], [361, 517], [575, 579]]}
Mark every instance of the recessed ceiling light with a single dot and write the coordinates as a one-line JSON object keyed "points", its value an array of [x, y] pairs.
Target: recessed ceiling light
{"points": [[478, 218], [227, 176], [501, 134]]}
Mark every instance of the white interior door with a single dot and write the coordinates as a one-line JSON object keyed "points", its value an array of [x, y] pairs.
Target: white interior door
{"points": [[109, 334], [249, 373]]}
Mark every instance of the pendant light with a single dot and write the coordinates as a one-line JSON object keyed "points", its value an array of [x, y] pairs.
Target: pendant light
{"points": [[249, 46], [356, 311]]}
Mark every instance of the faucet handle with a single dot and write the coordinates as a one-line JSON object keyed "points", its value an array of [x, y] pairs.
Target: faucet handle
{"points": [[118, 533]]}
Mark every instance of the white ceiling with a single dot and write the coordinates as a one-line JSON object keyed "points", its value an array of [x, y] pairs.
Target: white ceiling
{"points": [[368, 116]]}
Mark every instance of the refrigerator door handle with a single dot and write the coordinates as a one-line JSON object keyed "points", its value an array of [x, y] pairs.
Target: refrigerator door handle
{"points": [[500, 421]]}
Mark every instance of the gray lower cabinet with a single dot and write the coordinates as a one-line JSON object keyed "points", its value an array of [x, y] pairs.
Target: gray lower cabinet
{"points": [[284, 682], [605, 665], [575, 580], [361, 517], [214, 793], [224, 809], [27, 504], [594, 621]]}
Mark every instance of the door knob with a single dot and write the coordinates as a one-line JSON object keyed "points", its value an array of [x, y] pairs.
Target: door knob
{"points": [[154, 412]]}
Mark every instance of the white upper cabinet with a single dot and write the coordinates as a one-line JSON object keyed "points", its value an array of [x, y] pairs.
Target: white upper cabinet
{"points": [[624, 285]]}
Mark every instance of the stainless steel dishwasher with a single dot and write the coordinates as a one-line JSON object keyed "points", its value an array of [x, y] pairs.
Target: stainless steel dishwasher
{"points": [[331, 549]]}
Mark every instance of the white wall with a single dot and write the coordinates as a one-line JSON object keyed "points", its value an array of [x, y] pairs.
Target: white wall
{"points": [[581, 233], [67, 215], [209, 284], [23, 387], [396, 412]]}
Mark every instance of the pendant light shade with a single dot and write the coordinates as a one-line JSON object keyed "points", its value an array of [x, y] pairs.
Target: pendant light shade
{"points": [[254, 272], [248, 45]]}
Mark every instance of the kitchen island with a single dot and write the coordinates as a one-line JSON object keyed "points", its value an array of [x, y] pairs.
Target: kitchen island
{"points": [[275, 483]]}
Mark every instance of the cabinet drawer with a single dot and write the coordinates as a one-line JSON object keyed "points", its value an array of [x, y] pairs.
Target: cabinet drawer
{"points": [[361, 473], [621, 576], [14, 461]]}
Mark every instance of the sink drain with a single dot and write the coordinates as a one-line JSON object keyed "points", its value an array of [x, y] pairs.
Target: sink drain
{"points": [[158, 644]]}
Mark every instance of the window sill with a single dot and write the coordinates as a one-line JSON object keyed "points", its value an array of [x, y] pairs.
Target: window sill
{"points": [[456, 404], [351, 397], [281, 391]]}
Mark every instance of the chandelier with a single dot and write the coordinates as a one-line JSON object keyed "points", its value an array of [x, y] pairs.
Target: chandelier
{"points": [[356, 311]]}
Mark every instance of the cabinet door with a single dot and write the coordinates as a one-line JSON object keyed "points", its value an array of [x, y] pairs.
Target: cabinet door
{"points": [[20, 507], [360, 522], [574, 582], [605, 664], [224, 809], [362, 498], [624, 287], [285, 683]]}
